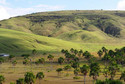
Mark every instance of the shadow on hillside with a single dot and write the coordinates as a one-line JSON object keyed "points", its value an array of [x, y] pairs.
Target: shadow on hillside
{"points": [[12, 46]]}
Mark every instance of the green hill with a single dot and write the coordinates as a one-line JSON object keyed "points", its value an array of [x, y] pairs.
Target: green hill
{"points": [[53, 24], [52, 31], [16, 42]]}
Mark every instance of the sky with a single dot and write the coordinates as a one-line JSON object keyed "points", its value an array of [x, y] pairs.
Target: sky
{"points": [[11, 8]]}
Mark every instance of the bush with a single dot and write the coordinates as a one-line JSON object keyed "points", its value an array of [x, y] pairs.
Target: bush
{"points": [[76, 77]]}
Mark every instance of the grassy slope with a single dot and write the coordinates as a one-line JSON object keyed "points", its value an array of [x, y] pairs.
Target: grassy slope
{"points": [[16, 42], [57, 23]]}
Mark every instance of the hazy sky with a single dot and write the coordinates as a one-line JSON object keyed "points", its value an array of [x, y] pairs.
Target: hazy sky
{"points": [[10, 8]]}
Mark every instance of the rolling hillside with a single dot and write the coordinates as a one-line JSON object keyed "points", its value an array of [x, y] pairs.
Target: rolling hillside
{"points": [[54, 24], [16, 42], [52, 31]]}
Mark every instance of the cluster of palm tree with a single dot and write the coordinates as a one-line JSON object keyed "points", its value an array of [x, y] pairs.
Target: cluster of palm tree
{"points": [[30, 78]]}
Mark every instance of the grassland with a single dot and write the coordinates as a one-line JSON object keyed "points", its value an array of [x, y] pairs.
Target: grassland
{"points": [[16, 42]]}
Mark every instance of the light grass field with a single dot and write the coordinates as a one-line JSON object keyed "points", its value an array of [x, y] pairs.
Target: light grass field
{"points": [[12, 73]]}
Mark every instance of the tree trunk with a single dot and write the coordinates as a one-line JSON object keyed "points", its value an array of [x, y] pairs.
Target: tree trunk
{"points": [[84, 79]]}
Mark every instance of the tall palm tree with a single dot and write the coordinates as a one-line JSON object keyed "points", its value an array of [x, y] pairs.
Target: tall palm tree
{"points": [[14, 64], [2, 79], [40, 76], [29, 78], [67, 68], [59, 70], [123, 76], [94, 70], [76, 72], [84, 69], [106, 72], [20, 81], [50, 57], [100, 53], [11, 57], [113, 68], [61, 60], [104, 50]]}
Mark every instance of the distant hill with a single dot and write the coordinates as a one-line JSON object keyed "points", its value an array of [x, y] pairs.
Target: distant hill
{"points": [[44, 30]]}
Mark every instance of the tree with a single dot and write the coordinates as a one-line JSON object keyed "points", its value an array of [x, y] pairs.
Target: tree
{"points": [[2, 79], [71, 50], [11, 57], [1, 60], [59, 70], [61, 60], [75, 52], [84, 69], [20, 81], [42, 60], [104, 50], [50, 57], [94, 70], [100, 53], [75, 65], [76, 59], [29, 78], [106, 72], [123, 76], [25, 62], [40, 76], [26, 56], [14, 64], [34, 52], [113, 68], [80, 53], [87, 55], [67, 68], [76, 72]]}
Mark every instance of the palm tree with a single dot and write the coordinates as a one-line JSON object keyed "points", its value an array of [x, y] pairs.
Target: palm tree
{"points": [[113, 68], [94, 70], [20, 81], [11, 57], [25, 62], [34, 52], [87, 55], [84, 69], [59, 70], [14, 64], [40, 76], [75, 65], [123, 76], [61, 60], [29, 78], [50, 57], [42, 60], [2, 79], [100, 53], [80, 53], [67, 68], [1, 60], [104, 50], [106, 72], [76, 72], [71, 50]]}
